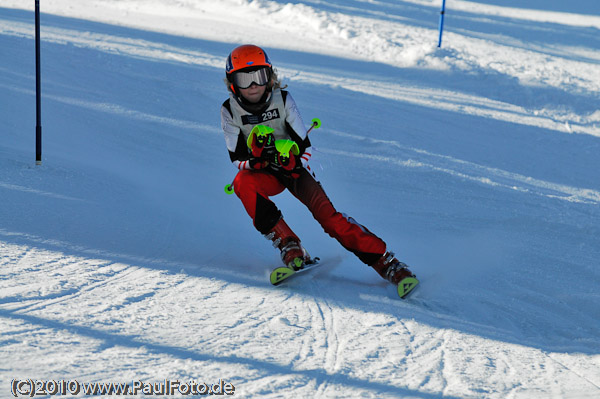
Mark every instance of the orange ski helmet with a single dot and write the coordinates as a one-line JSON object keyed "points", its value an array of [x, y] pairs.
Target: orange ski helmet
{"points": [[246, 58]]}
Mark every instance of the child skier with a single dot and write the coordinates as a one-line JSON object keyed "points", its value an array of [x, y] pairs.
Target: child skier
{"points": [[260, 114]]}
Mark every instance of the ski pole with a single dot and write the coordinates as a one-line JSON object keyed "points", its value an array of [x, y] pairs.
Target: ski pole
{"points": [[316, 123]]}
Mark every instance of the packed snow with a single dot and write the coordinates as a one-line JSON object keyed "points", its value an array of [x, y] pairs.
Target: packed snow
{"points": [[123, 260]]}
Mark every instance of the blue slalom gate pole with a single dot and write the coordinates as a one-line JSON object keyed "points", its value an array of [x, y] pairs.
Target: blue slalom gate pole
{"points": [[442, 12]]}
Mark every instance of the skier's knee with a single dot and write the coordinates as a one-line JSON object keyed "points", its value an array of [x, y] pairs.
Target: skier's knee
{"points": [[266, 214]]}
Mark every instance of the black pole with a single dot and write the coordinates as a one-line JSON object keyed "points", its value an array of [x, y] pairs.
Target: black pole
{"points": [[38, 88]]}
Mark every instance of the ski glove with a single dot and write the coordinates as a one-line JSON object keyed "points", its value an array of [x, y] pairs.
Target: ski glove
{"points": [[281, 156], [261, 142], [288, 159]]}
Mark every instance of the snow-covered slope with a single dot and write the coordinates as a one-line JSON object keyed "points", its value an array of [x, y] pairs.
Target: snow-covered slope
{"points": [[122, 259]]}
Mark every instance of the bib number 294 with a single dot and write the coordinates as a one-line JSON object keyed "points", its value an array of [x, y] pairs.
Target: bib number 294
{"points": [[268, 115]]}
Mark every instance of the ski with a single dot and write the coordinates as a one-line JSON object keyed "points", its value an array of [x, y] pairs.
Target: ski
{"points": [[280, 274], [406, 286], [283, 273]]}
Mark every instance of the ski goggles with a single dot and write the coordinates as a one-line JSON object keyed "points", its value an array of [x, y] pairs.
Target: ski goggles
{"points": [[243, 80]]}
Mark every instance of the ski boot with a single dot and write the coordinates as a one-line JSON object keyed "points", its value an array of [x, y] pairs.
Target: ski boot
{"points": [[397, 273], [293, 254]]}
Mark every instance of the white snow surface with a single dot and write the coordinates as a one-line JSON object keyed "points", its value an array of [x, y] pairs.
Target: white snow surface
{"points": [[122, 259]]}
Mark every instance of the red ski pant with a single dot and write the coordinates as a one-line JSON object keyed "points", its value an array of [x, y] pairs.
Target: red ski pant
{"points": [[255, 187]]}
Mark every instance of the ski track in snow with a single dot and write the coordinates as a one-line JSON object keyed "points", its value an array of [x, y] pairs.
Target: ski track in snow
{"points": [[144, 298], [100, 280], [469, 171]]}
